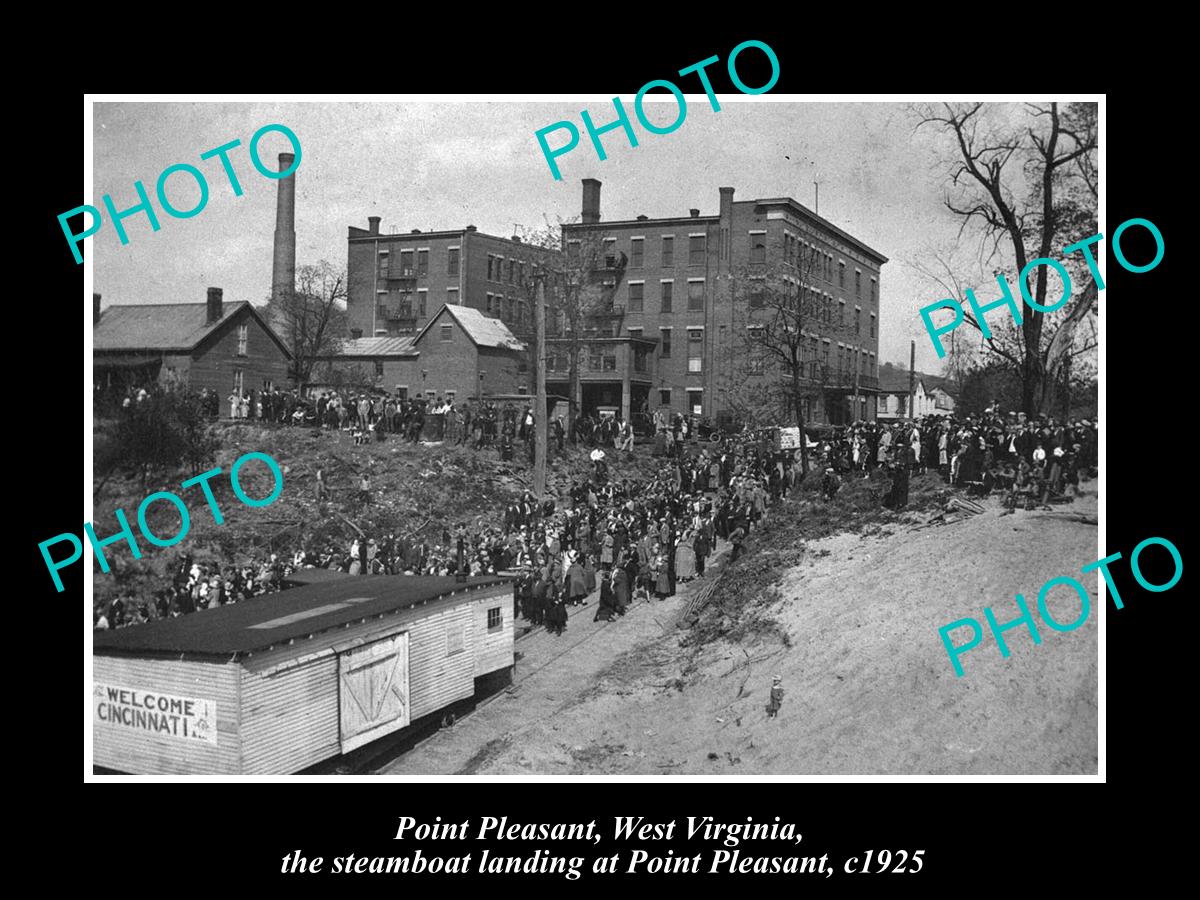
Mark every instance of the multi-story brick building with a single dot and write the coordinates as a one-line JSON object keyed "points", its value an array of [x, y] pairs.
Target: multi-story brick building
{"points": [[681, 276], [396, 282]]}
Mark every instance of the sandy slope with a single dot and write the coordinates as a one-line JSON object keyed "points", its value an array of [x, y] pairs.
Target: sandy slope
{"points": [[869, 686]]}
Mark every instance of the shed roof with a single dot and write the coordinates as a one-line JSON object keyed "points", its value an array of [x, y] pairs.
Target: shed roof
{"points": [[287, 615], [377, 346], [165, 327], [484, 331]]}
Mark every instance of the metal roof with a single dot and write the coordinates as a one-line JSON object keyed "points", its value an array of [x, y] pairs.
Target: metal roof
{"points": [[294, 614], [165, 327], [377, 346], [483, 330]]}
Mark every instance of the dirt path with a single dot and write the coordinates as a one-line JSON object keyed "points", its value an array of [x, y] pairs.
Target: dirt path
{"points": [[552, 674]]}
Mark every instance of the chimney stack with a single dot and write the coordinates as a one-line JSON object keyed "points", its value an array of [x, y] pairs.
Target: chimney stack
{"points": [[95, 308], [283, 269], [591, 201], [695, 213], [373, 224], [215, 310]]}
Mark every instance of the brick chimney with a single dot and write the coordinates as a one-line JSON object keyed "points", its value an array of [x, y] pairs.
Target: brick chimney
{"points": [[373, 224], [591, 201], [283, 268], [95, 308], [695, 213], [215, 306]]}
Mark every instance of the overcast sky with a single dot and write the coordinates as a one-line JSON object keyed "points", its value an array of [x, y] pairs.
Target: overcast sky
{"points": [[444, 165]]}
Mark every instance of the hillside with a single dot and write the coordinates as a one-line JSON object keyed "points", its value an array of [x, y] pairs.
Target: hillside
{"points": [[416, 490]]}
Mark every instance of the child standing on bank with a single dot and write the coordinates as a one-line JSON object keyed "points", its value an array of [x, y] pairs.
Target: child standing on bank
{"points": [[776, 698]]}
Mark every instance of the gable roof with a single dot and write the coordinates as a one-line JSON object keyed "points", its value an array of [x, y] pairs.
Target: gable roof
{"points": [[484, 331], [294, 614], [894, 380], [167, 327], [376, 346]]}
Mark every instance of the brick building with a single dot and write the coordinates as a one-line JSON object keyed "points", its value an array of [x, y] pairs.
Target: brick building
{"points": [[202, 345], [396, 282], [383, 363], [464, 355], [679, 279]]}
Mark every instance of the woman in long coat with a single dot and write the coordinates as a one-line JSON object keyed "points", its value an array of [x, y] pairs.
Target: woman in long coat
{"points": [[662, 578], [589, 573], [608, 601], [606, 553], [685, 558], [576, 586], [620, 588]]}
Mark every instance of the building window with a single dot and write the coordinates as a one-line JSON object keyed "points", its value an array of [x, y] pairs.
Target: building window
{"points": [[635, 332], [406, 262], [452, 296], [857, 283], [610, 253], [695, 294], [874, 289], [422, 295], [379, 368], [695, 349], [422, 262], [238, 381], [872, 324], [873, 371], [668, 288], [825, 354], [635, 296], [243, 339], [664, 335], [696, 402], [841, 274], [491, 266], [452, 261], [495, 620], [668, 250], [757, 299], [383, 263], [447, 333], [696, 247], [637, 250], [758, 250], [573, 251], [857, 320], [841, 313], [664, 396], [456, 641]]}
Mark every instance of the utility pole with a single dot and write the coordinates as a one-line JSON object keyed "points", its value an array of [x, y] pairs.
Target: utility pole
{"points": [[912, 380], [539, 414]]}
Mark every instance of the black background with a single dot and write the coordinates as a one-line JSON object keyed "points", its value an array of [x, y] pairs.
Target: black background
{"points": [[975, 834]]}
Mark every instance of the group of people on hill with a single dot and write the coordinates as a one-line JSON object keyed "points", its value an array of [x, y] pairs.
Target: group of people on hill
{"points": [[1031, 460], [195, 586]]}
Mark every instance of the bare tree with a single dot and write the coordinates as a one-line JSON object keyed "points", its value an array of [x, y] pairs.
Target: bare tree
{"points": [[1026, 180], [782, 309], [313, 319], [579, 290]]}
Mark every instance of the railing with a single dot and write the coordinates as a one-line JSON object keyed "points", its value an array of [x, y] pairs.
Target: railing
{"points": [[395, 273]]}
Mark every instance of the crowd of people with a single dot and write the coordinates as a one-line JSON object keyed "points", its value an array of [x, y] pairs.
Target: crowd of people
{"points": [[1030, 460], [630, 538]]}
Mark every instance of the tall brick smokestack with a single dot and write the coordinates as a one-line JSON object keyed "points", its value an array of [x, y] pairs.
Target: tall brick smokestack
{"points": [[591, 201], [283, 269]]}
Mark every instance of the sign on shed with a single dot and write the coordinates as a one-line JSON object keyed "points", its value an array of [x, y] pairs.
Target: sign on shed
{"points": [[165, 715]]}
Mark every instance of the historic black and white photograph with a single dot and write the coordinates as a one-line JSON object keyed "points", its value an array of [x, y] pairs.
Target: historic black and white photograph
{"points": [[535, 438]]}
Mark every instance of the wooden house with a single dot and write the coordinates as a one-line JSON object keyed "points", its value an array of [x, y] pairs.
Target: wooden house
{"points": [[279, 683]]}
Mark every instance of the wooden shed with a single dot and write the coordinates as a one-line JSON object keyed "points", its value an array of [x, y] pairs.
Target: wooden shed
{"points": [[279, 683]]}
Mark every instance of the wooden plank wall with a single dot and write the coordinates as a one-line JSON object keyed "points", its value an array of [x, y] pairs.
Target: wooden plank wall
{"points": [[290, 712], [493, 650], [143, 753]]}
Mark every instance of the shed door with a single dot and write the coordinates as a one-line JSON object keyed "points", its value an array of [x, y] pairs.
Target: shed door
{"points": [[373, 690]]}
